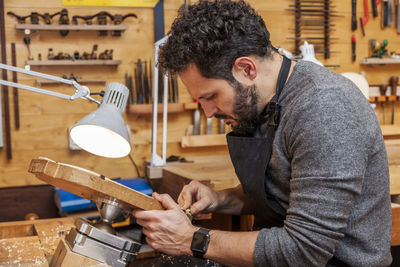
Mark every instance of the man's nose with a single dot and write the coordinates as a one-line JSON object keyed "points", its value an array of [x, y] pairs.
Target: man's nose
{"points": [[209, 109]]}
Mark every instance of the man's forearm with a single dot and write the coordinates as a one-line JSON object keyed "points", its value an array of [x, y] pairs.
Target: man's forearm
{"points": [[232, 248], [234, 201]]}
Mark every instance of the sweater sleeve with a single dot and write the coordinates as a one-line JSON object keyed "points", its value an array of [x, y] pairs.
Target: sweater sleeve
{"points": [[327, 141]]}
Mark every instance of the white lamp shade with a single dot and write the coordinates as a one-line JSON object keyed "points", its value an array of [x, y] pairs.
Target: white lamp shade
{"points": [[103, 132]]}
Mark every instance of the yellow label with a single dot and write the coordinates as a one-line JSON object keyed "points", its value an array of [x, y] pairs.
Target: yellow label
{"points": [[113, 3]]}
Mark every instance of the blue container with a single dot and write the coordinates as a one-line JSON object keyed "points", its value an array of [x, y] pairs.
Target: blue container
{"points": [[68, 202]]}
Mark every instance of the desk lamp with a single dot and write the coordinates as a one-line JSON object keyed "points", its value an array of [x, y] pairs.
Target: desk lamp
{"points": [[102, 132]]}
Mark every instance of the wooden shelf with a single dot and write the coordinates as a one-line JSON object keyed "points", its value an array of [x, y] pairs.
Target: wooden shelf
{"points": [[379, 61], [191, 106], [53, 27], [96, 62], [390, 131], [146, 109], [203, 140], [40, 82]]}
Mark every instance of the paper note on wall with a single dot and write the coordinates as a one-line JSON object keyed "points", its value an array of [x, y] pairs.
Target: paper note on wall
{"points": [[113, 3]]}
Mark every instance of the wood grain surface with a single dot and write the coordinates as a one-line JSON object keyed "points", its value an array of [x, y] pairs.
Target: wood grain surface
{"points": [[89, 185]]}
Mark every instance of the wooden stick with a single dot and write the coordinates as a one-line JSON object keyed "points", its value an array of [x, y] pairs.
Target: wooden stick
{"points": [[5, 88]]}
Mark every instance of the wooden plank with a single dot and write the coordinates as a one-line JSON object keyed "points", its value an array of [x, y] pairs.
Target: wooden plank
{"points": [[390, 131], [64, 257], [12, 231], [395, 224], [89, 185], [55, 27], [81, 62], [394, 171], [22, 251], [216, 170], [203, 140], [40, 82], [147, 109], [379, 61], [50, 233]]}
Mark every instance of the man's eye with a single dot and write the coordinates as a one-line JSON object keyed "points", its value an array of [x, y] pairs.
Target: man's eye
{"points": [[211, 97]]}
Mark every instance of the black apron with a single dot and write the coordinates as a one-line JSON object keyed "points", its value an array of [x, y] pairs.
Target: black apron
{"points": [[250, 157]]}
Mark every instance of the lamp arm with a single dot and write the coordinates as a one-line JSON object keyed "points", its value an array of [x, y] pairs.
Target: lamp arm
{"points": [[80, 92]]}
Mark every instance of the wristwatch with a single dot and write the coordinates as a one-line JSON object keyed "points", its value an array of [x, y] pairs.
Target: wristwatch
{"points": [[200, 241]]}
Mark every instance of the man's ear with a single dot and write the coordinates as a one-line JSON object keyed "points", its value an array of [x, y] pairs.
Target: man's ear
{"points": [[244, 68]]}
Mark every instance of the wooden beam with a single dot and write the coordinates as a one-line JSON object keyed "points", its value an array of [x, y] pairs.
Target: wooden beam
{"points": [[203, 140], [89, 185]]}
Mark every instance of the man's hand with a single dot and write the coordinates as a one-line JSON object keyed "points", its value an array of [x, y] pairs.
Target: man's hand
{"points": [[170, 230], [198, 197]]}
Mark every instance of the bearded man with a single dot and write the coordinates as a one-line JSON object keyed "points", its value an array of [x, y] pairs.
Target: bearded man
{"points": [[305, 144]]}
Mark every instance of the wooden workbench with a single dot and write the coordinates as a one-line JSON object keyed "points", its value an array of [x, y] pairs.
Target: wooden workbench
{"points": [[31, 243]]}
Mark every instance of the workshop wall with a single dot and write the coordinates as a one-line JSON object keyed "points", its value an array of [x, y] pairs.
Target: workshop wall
{"points": [[45, 120]]}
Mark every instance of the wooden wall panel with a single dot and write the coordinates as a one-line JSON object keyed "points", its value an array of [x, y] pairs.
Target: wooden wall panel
{"points": [[45, 119]]}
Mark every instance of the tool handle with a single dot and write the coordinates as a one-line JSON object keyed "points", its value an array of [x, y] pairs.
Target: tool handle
{"points": [[353, 47], [374, 8], [385, 15], [382, 89], [393, 84], [353, 15]]}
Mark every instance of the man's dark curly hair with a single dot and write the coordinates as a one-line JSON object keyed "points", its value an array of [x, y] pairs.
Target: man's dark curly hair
{"points": [[213, 34]]}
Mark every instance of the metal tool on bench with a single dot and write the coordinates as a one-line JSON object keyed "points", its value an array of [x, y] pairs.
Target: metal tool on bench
{"points": [[89, 240], [114, 201]]}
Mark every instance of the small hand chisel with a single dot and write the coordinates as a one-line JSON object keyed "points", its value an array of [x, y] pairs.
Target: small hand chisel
{"points": [[382, 90], [393, 91], [353, 15]]}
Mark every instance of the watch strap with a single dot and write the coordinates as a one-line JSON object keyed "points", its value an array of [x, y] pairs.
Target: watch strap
{"points": [[197, 252]]}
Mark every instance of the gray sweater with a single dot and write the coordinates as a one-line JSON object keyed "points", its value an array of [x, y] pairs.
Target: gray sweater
{"points": [[330, 171]]}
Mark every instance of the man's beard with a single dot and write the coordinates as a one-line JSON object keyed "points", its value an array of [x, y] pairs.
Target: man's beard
{"points": [[244, 110]]}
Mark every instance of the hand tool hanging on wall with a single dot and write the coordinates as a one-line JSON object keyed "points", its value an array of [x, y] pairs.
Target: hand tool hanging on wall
{"points": [[48, 17], [87, 19], [171, 89], [385, 13], [397, 16], [221, 128], [93, 54], [364, 21], [146, 84], [393, 91], [118, 19], [64, 20], [353, 15], [196, 119], [382, 91], [15, 90], [390, 12], [314, 16], [374, 8], [102, 20], [5, 88], [140, 81], [353, 48], [27, 41], [131, 88], [175, 82], [21, 19]]}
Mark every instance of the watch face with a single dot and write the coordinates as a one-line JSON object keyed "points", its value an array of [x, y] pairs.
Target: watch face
{"points": [[199, 241]]}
